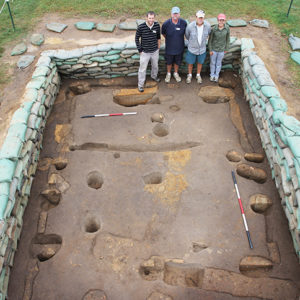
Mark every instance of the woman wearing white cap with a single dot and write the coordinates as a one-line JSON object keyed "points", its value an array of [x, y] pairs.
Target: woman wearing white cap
{"points": [[218, 44]]}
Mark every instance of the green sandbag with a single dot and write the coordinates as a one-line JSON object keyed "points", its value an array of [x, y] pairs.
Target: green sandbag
{"points": [[3, 204], [294, 144], [7, 170], [98, 59], [112, 57], [112, 52], [297, 168], [237, 23], [85, 25], [278, 104], [282, 134], [20, 116], [291, 123], [17, 130], [247, 44], [36, 83], [270, 91], [11, 148], [4, 188], [128, 26], [118, 46], [106, 27], [296, 57]]}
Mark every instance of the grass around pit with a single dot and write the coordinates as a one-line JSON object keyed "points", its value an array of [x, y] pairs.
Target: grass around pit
{"points": [[27, 13]]}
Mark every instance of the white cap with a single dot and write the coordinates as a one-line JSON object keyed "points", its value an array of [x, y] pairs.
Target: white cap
{"points": [[200, 14]]}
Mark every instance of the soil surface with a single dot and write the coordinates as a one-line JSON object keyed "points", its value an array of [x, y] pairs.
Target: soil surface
{"points": [[148, 210]]}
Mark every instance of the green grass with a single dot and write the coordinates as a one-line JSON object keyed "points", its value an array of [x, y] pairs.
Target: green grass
{"points": [[27, 12]]}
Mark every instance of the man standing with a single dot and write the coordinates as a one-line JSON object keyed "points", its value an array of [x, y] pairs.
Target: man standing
{"points": [[147, 39], [173, 30], [197, 34]]}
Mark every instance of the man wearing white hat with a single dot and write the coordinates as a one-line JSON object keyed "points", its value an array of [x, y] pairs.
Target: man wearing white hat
{"points": [[173, 30], [197, 34]]}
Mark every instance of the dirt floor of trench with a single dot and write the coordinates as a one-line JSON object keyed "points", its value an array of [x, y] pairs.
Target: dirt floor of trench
{"points": [[147, 213]]}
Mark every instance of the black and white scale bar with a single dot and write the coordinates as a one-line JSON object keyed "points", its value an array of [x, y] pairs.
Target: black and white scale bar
{"points": [[109, 115], [242, 210]]}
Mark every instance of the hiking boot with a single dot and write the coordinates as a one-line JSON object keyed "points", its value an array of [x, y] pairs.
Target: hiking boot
{"points": [[156, 79], [168, 78], [177, 77], [199, 79], [212, 78], [141, 89], [189, 79]]}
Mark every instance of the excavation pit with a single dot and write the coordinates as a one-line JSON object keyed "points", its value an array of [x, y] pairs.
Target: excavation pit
{"points": [[191, 197], [186, 193]]}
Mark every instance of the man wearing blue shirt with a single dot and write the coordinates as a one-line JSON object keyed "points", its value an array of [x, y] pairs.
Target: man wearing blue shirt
{"points": [[173, 30]]}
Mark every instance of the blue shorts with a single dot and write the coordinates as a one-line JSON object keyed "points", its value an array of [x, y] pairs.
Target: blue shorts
{"points": [[173, 59], [191, 58]]}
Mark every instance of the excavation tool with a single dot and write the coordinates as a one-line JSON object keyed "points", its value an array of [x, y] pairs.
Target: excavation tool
{"points": [[109, 115], [242, 210]]}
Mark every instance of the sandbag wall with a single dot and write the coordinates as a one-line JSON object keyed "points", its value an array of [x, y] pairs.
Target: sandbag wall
{"points": [[121, 59], [279, 133], [19, 158]]}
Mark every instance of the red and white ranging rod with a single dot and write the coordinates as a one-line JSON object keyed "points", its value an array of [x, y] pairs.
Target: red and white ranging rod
{"points": [[242, 210], [109, 115]]}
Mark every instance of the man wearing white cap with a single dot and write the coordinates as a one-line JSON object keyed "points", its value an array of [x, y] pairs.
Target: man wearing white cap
{"points": [[197, 34], [173, 30], [218, 44]]}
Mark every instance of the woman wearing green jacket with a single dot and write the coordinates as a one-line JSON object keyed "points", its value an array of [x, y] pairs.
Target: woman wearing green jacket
{"points": [[218, 44]]}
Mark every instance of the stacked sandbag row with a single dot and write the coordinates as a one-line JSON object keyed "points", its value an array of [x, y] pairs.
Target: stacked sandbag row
{"points": [[19, 158], [280, 136], [121, 59]]}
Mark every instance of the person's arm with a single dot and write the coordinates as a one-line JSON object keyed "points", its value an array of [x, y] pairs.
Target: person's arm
{"points": [[187, 32], [158, 37], [163, 30], [137, 39], [227, 39], [210, 42]]}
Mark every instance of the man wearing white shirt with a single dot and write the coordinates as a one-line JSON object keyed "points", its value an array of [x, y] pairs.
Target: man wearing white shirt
{"points": [[196, 34]]}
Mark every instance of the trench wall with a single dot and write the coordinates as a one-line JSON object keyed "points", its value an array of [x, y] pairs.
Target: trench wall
{"points": [[279, 133], [20, 151]]}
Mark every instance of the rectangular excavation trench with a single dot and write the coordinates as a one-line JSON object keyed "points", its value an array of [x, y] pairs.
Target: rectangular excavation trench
{"points": [[154, 196]]}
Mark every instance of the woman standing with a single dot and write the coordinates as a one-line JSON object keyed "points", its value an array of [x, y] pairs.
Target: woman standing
{"points": [[218, 44]]}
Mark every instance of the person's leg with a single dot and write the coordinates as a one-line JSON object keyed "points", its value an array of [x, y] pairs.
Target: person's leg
{"points": [[199, 68], [144, 59], [177, 63], [219, 59], [154, 64], [213, 58], [176, 67], [190, 69], [190, 59], [169, 62], [200, 61]]}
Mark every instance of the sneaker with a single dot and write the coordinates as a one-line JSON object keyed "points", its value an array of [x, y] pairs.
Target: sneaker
{"points": [[199, 79], [189, 79], [168, 78], [212, 78], [156, 79], [141, 89], [216, 79], [177, 77]]}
